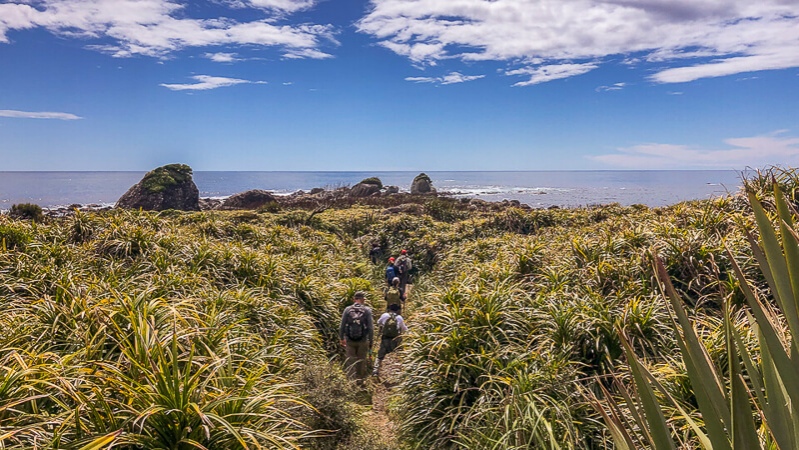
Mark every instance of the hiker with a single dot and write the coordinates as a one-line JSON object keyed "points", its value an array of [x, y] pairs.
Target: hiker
{"points": [[391, 271], [376, 253], [403, 266], [391, 328], [356, 334], [394, 296]]}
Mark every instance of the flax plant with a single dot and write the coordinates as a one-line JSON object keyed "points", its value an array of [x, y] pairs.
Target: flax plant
{"points": [[750, 402]]}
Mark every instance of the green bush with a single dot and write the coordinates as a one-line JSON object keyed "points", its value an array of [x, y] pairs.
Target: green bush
{"points": [[27, 211], [13, 237]]}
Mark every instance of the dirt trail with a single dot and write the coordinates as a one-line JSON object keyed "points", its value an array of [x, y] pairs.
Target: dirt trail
{"points": [[390, 370]]}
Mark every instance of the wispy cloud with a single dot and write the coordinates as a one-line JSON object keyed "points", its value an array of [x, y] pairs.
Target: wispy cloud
{"points": [[544, 73], [693, 39], [757, 151], [160, 28], [612, 87], [37, 115], [206, 82], [450, 78]]}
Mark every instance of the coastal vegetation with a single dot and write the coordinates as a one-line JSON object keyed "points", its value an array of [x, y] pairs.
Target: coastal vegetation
{"points": [[528, 328]]}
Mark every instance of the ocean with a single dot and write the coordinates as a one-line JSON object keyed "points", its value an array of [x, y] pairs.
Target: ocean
{"points": [[539, 189]]}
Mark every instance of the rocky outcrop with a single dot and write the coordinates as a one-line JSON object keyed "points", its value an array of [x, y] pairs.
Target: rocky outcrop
{"points": [[422, 184], [361, 190], [167, 187], [392, 189], [252, 199]]}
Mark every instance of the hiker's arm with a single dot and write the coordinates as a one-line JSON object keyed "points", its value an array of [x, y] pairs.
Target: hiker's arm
{"points": [[401, 324], [370, 325], [341, 327]]}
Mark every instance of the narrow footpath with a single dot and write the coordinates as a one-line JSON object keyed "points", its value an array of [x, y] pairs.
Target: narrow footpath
{"points": [[390, 374]]}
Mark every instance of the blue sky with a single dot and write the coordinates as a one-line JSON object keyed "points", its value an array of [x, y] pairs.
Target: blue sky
{"points": [[399, 84]]}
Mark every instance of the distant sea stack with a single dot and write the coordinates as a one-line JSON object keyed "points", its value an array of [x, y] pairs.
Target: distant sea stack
{"points": [[422, 184], [167, 187], [367, 187]]}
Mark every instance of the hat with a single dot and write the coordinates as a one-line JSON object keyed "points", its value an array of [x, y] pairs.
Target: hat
{"points": [[391, 259], [403, 251], [395, 280], [359, 294]]}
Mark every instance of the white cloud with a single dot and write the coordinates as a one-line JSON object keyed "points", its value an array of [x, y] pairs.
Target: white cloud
{"points": [[222, 57], [37, 115], [161, 27], [206, 82], [279, 5], [450, 78], [757, 151], [692, 38]]}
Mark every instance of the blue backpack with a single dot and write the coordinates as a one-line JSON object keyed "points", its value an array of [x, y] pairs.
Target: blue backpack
{"points": [[391, 273]]}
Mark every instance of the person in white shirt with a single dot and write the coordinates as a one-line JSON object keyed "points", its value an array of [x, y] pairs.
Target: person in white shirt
{"points": [[391, 327]]}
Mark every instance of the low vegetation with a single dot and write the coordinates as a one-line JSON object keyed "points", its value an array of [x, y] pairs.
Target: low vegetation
{"points": [[140, 330]]}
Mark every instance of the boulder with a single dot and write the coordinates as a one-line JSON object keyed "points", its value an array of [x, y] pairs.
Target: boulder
{"points": [[364, 190], [208, 204], [422, 184], [167, 187], [372, 180], [252, 199], [392, 189], [317, 190]]}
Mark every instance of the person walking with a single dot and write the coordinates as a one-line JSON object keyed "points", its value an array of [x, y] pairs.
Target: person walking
{"points": [[391, 271], [391, 326], [403, 266], [376, 253], [356, 334], [394, 295]]}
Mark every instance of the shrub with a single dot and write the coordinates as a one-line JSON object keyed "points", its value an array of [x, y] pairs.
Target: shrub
{"points": [[13, 237], [27, 211]]}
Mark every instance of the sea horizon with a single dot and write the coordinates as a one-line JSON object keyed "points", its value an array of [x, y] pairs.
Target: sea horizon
{"points": [[537, 188]]}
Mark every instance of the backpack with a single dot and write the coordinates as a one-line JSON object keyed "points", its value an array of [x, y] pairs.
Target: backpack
{"points": [[355, 323], [393, 296], [402, 265], [391, 327], [391, 272]]}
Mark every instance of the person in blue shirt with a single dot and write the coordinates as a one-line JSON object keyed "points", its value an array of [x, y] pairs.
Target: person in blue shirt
{"points": [[391, 271]]}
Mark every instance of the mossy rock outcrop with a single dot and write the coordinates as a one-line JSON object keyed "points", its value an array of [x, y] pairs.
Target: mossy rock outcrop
{"points": [[167, 187], [422, 184], [373, 181]]}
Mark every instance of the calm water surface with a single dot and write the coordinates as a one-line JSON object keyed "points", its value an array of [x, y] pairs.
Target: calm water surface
{"points": [[535, 188]]}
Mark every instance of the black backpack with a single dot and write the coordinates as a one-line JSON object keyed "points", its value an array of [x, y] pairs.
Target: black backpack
{"points": [[355, 323]]}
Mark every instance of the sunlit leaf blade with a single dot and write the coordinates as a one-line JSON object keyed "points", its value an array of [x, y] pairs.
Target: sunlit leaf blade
{"points": [[656, 421], [705, 380], [102, 442]]}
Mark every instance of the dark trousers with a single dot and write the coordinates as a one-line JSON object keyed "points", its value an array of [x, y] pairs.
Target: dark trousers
{"points": [[388, 345], [355, 361]]}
